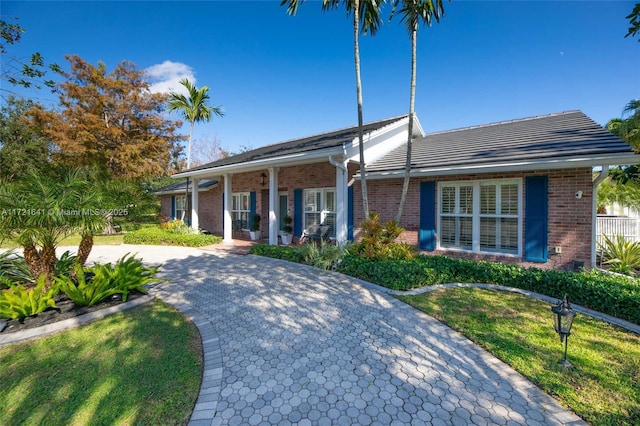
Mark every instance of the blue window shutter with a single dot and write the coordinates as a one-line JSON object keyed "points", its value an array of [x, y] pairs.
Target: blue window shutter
{"points": [[252, 205], [536, 218], [173, 207], [427, 236], [350, 213], [297, 212]]}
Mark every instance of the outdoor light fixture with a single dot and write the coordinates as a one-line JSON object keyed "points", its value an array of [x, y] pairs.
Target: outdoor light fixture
{"points": [[562, 322], [262, 178]]}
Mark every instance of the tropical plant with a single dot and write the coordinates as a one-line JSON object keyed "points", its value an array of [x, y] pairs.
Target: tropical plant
{"points": [[40, 211], [194, 108], [128, 274], [366, 13], [414, 12], [379, 241], [20, 302], [85, 293], [634, 22], [14, 270], [321, 255], [621, 254]]}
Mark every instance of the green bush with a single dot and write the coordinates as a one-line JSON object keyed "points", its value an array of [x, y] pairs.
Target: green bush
{"points": [[20, 302], [128, 274], [291, 254], [321, 255], [622, 255], [14, 270], [614, 295], [157, 236], [379, 242]]}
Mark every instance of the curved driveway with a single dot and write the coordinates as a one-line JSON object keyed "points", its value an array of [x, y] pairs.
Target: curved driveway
{"points": [[288, 344]]}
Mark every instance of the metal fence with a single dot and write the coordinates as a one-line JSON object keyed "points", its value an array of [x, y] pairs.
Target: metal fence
{"points": [[612, 226]]}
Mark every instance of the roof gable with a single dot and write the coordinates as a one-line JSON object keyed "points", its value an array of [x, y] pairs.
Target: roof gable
{"points": [[559, 136]]}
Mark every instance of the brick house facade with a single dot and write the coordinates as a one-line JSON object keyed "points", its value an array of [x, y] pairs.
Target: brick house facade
{"points": [[519, 191]]}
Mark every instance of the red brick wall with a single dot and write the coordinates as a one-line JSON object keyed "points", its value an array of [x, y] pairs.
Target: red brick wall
{"points": [[569, 218], [321, 175]]}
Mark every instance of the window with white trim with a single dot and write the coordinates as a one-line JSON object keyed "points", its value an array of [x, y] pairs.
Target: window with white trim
{"points": [[320, 208], [481, 216], [240, 210], [181, 207]]}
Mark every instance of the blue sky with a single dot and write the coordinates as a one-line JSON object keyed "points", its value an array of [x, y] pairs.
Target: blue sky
{"points": [[280, 77]]}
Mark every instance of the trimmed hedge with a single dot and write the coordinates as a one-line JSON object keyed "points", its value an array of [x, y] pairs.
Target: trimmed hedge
{"points": [[157, 236], [290, 254], [613, 295]]}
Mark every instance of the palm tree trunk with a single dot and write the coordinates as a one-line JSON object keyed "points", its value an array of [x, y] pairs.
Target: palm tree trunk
{"points": [[41, 262], [356, 48], [412, 99], [84, 249]]}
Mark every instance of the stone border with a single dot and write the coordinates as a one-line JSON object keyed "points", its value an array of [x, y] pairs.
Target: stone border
{"points": [[48, 329]]}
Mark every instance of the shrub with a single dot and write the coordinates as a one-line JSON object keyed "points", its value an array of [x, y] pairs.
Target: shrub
{"points": [[65, 264], [613, 295], [379, 242], [622, 255], [321, 255], [20, 302], [290, 254], [160, 236], [14, 270], [128, 274]]}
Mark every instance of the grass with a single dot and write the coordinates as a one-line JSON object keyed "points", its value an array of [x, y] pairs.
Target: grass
{"points": [[141, 366], [604, 385], [74, 240]]}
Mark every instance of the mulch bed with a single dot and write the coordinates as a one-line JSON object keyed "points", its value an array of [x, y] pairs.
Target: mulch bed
{"points": [[65, 309]]}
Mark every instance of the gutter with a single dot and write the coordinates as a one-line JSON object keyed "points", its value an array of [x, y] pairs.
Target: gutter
{"points": [[594, 212], [334, 163]]}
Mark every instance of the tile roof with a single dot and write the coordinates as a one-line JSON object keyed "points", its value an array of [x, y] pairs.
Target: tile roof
{"points": [[555, 136], [333, 139], [182, 185]]}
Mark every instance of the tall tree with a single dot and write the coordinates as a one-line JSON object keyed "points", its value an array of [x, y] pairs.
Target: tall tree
{"points": [[412, 13], [194, 108], [22, 149], [110, 120], [634, 21], [368, 14]]}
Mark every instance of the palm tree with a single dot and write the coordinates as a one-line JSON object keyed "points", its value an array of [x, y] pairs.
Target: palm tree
{"points": [[412, 13], [41, 210], [366, 12], [194, 108]]}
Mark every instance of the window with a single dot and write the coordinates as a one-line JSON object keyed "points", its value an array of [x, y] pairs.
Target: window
{"points": [[320, 208], [482, 216], [240, 210], [181, 207]]}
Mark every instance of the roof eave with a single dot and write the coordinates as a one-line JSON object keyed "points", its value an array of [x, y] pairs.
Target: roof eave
{"points": [[299, 158], [565, 163]]}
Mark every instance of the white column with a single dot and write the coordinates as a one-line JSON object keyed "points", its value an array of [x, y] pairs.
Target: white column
{"points": [[194, 204], [273, 206], [342, 203], [228, 225]]}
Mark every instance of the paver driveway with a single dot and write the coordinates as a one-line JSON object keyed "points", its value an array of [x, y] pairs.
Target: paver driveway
{"points": [[287, 344]]}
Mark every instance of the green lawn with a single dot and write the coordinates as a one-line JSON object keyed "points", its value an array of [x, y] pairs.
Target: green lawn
{"points": [[603, 387], [74, 240], [141, 366]]}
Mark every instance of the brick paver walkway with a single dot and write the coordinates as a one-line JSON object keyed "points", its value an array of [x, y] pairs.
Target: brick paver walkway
{"points": [[288, 344]]}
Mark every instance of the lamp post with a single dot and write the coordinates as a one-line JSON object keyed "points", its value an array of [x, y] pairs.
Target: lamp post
{"points": [[562, 322]]}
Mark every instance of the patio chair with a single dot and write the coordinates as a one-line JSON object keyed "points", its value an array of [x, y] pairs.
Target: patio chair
{"points": [[315, 233]]}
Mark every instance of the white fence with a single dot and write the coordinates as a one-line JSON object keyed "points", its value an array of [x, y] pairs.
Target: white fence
{"points": [[611, 226]]}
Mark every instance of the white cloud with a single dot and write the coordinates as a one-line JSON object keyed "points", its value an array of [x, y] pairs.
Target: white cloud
{"points": [[165, 77]]}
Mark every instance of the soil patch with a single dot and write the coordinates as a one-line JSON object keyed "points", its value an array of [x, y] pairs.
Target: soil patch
{"points": [[65, 309]]}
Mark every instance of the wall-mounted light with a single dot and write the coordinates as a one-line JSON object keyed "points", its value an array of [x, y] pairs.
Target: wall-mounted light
{"points": [[578, 195], [263, 178]]}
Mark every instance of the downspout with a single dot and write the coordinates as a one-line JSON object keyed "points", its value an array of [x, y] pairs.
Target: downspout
{"points": [[341, 193], [594, 212]]}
